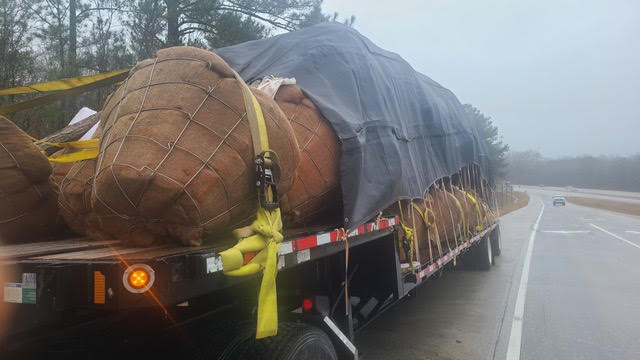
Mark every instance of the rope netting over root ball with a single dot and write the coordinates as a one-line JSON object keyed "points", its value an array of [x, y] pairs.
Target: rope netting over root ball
{"points": [[315, 195], [452, 211], [176, 155], [28, 208]]}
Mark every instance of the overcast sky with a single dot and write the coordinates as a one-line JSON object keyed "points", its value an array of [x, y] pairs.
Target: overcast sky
{"points": [[560, 76]]}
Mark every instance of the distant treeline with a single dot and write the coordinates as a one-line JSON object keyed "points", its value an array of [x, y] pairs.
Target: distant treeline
{"points": [[598, 172]]}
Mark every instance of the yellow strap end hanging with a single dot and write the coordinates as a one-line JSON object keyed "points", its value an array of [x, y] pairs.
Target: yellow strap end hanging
{"points": [[266, 231]]}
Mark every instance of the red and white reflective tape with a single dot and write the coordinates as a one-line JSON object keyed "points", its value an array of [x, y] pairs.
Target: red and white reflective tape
{"points": [[429, 270], [308, 242]]}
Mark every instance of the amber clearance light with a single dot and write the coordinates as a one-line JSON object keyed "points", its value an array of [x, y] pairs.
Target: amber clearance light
{"points": [[138, 278]]}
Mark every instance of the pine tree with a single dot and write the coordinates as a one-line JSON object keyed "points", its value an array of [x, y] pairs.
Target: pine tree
{"points": [[488, 131]]}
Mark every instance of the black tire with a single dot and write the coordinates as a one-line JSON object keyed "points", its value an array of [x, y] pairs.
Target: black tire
{"points": [[496, 242], [294, 341], [480, 256], [486, 259], [483, 254], [218, 341]]}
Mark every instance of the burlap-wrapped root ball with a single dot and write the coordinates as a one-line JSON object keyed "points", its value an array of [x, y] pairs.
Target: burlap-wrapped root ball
{"points": [[176, 155], [411, 215], [448, 218], [74, 199], [452, 213], [59, 170], [442, 220], [73, 182], [475, 214], [28, 208], [314, 198]]}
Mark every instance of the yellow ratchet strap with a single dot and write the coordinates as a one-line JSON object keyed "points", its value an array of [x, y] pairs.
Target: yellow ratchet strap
{"points": [[409, 234], [265, 233], [480, 225]]}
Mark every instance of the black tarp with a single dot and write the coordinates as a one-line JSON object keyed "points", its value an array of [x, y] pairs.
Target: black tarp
{"points": [[400, 130]]}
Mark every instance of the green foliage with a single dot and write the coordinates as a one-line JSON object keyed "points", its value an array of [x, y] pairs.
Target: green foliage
{"points": [[232, 28], [145, 26], [52, 39], [489, 132], [316, 16], [16, 56], [599, 172]]}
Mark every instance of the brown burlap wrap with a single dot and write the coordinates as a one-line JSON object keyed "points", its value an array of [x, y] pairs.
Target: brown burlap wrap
{"points": [[28, 208], [176, 155], [314, 197], [411, 218], [447, 215], [448, 222], [60, 170], [74, 199]]}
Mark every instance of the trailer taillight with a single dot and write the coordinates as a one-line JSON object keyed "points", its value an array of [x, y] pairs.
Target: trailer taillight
{"points": [[138, 278], [307, 305]]}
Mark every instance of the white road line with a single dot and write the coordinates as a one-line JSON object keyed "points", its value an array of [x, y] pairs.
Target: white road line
{"points": [[566, 231], [615, 236], [633, 232], [515, 339]]}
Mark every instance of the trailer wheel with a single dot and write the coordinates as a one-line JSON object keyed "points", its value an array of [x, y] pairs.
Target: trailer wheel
{"points": [[479, 256], [485, 254], [294, 341], [219, 341], [496, 242]]}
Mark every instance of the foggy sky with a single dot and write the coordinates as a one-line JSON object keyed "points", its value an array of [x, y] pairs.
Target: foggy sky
{"points": [[559, 76]]}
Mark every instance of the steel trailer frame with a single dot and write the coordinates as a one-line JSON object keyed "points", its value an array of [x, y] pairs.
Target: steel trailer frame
{"points": [[78, 284]]}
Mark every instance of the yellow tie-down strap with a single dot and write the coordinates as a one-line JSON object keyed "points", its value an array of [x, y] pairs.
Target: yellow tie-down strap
{"points": [[409, 235], [265, 240], [64, 84], [263, 236], [461, 210], [85, 149], [433, 230], [480, 225]]}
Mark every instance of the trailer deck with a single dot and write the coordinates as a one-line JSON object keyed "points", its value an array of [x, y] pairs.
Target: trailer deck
{"points": [[44, 282]]}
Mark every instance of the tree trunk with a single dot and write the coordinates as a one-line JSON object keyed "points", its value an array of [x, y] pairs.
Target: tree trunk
{"points": [[70, 133], [72, 68], [73, 38], [173, 35]]}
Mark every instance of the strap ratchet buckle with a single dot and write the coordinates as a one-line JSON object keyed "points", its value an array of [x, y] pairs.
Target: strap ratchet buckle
{"points": [[267, 173]]}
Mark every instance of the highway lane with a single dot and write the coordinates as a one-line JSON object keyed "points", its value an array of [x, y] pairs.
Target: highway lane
{"points": [[583, 295], [581, 301]]}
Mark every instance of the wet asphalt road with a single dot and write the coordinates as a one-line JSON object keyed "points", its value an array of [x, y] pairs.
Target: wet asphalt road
{"points": [[581, 297]]}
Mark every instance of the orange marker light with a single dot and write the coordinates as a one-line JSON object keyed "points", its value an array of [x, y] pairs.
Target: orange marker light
{"points": [[138, 278]]}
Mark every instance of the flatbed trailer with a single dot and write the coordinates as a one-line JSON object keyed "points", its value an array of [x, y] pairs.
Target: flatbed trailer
{"points": [[72, 296]]}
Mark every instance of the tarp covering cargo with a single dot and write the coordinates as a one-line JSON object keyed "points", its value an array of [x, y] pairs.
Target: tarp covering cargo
{"points": [[400, 130]]}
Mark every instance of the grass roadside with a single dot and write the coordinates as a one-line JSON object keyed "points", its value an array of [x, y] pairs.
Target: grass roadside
{"points": [[612, 195], [611, 205], [522, 199]]}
